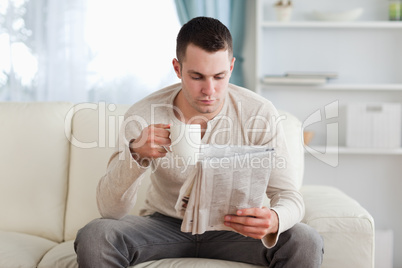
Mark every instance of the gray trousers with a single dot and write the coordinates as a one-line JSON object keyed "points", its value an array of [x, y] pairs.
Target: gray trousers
{"points": [[134, 239]]}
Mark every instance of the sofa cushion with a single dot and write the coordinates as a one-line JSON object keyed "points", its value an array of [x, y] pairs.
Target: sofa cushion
{"points": [[193, 263], [346, 227], [34, 166], [60, 256], [94, 133], [22, 250], [63, 256]]}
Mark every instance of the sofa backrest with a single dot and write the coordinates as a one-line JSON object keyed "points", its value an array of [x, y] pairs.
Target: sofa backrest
{"points": [[294, 139], [34, 163], [52, 157], [94, 133]]}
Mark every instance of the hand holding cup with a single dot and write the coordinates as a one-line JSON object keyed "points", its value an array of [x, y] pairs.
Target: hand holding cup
{"points": [[151, 143]]}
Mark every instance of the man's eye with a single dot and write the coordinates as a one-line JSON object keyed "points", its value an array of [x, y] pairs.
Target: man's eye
{"points": [[196, 78], [219, 77]]}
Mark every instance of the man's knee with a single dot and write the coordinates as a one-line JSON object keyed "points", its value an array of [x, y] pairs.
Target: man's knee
{"points": [[306, 240], [95, 234], [309, 235], [88, 233]]}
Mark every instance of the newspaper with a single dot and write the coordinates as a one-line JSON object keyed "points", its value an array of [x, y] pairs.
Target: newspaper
{"points": [[224, 180]]}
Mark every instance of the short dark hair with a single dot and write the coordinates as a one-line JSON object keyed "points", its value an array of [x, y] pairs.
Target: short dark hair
{"points": [[207, 33]]}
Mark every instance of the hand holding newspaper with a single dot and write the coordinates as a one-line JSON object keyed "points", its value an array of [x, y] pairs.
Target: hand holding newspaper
{"points": [[224, 180]]}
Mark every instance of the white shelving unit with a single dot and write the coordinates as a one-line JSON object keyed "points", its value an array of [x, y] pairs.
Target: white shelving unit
{"points": [[328, 25], [357, 151], [336, 87], [293, 44], [367, 55]]}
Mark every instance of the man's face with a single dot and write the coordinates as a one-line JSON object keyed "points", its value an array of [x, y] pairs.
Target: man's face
{"points": [[205, 78]]}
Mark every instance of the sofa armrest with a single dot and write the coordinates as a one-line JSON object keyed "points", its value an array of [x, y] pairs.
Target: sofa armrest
{"points": [[346, 227]]}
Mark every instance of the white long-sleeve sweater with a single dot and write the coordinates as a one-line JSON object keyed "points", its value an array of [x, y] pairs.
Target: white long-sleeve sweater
{"points": [[245, 119]]}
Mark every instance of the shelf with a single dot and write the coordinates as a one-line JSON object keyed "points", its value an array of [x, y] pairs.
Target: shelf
{"points": [[336, 87], [342, 25], [347, 150]]}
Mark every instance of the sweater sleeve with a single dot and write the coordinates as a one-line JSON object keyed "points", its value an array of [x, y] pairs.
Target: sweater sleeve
{"points": [[282, 190], [117, 189]]}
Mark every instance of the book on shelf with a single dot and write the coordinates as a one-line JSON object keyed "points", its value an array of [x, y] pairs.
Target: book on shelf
{"points": [[327, 75], [300, 78], [285, 80]]}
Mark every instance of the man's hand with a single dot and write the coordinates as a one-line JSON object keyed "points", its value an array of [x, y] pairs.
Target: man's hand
{"points": [[254, 222], [151, 142]]}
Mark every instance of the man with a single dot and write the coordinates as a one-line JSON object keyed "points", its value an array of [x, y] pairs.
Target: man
{"points": [[263, 236]]}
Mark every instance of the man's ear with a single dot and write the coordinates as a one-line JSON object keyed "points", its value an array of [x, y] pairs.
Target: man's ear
{"points": [[177, 67], [232, 64]]}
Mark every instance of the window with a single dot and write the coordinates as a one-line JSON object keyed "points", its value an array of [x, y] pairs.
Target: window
{"points": [[18, 64], [86, 50], [132, 45]]}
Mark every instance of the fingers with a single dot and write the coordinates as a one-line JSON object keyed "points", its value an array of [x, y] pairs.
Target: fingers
{"points": [[152, 141], [255, 212], [253, 222], [161, 139], [154, 136], [165, 126], [250, 231], [247, 221], [161, 130], [161, 149]]}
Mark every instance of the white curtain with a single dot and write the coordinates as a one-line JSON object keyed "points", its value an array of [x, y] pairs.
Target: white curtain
{"points": [[85, 50], [66, 55], [44, 56]]}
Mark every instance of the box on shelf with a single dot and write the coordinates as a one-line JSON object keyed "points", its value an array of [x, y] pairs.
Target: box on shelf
{"points": [[373, 125]]}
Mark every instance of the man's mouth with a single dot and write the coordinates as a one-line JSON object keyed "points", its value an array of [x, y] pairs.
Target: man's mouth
{"points": [[207, 101]]}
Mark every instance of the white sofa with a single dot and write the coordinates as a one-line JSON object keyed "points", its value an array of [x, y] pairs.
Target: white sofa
{"points": [[52, 156]]}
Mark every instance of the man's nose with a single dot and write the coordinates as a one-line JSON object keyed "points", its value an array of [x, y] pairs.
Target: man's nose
{"points": [[208, 87]]}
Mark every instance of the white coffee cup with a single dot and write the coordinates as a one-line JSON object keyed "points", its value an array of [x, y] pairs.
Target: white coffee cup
{"points": [[185, 143]]}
